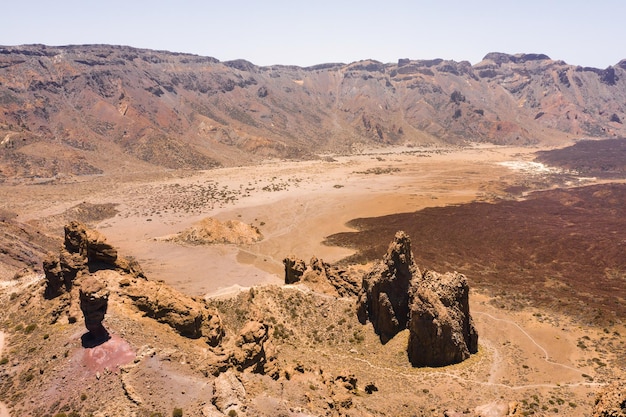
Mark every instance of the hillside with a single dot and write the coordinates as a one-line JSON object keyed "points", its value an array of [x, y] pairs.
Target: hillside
{"points": [[84, 110]]}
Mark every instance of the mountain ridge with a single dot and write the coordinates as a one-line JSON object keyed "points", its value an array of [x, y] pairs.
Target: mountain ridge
{"points": [[73, 110]]}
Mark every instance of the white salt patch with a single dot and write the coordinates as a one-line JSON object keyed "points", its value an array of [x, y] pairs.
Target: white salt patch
{"points": [[530, 167]]}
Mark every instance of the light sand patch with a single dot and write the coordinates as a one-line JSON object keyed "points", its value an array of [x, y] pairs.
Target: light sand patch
{"points": [[530, 167]]}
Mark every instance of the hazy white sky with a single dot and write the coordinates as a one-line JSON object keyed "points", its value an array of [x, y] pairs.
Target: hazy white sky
{"points": [[580, 32]]}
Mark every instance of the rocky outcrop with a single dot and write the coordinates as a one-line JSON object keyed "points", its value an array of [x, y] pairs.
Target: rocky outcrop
{"points": [[294, 269], [84, 251], [321, 276], [251, 351], [254, 350], [211, 231], [189, 317], [87, 267], [384, 295], [228, 393], [441, 331], [94, 300], [434, 307], [611, 401]]}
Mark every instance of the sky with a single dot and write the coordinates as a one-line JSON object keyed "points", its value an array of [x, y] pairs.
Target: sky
{"points": [[305, 33]]}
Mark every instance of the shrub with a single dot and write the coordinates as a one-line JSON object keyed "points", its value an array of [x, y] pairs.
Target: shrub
{"points": [[178, 412], [457, 97]]}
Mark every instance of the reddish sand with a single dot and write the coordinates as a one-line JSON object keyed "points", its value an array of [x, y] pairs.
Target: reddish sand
{"points": [[111, 354]]}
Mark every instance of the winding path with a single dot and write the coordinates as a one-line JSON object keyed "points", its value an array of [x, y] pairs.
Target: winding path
{"points": [[497, 359], [545, 352]]}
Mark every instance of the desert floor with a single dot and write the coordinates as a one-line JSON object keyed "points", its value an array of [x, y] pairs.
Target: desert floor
{"points": [[294, 204]]}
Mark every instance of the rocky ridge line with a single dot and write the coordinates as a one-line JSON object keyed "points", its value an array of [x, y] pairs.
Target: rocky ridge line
{"points": [[92, 104]]}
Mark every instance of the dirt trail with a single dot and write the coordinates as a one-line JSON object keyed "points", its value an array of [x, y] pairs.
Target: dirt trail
{"points": [[497, 362]]}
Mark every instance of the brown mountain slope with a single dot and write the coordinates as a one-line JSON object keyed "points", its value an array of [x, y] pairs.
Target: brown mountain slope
{"points": [[76, 109]]}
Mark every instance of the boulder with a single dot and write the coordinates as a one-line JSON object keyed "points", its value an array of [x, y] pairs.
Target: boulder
{"points": [[228, 392], [99, 250], [384, 295], [254, 351], [440, 326], [250, 351]]}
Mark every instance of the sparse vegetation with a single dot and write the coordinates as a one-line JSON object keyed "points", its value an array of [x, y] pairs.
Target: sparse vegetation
{"points": [[457, 97], [379, 171]]}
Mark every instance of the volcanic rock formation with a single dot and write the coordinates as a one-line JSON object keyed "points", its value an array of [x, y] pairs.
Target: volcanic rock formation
{"points": [[294, 269], [321, 276], [252, 351], [87, 265], [84, 251], [440, 325], [384, 295], [94, 300], [188, 316], [434, 307]]}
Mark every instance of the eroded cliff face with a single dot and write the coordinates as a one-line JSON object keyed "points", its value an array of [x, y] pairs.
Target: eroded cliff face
{"points": [[88, 104], [384, 296], [441, 330]]}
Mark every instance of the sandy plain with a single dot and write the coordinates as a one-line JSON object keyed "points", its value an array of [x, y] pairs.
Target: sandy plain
{"points": [[295, 205]]}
